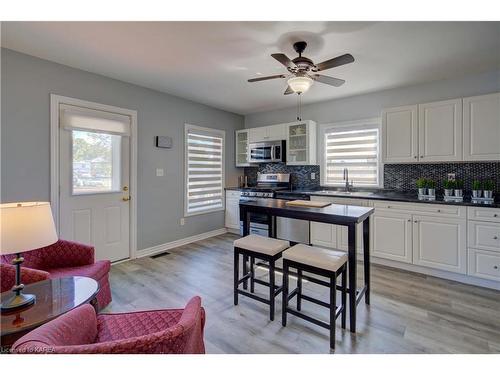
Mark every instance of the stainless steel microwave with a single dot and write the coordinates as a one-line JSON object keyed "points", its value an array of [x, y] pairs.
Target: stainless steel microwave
{"points": [[267, 152]]}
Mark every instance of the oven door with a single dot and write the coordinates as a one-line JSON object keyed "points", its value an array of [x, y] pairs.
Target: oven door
{"points": [[261, 153]]}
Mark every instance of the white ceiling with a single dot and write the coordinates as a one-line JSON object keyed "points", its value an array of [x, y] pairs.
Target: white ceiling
{"points": [[210, 62]]}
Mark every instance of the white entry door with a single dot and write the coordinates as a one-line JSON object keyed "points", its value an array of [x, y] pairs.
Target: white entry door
{"points": [[94, 172]]}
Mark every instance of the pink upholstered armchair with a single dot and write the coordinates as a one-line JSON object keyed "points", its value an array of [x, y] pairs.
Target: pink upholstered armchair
{"points": [[28, 276], [66, 258], [81, 331]]}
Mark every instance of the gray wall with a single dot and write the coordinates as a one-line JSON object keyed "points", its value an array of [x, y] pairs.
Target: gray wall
{"points": [[27, 83], [370, 105]]}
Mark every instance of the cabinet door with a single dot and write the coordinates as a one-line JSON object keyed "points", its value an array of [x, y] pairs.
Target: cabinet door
{"points": [[242, 148], [440, 243], [257, 134], [276, 132], [400, 134], [233, 213], [482, 127], [440, 131], [297, 144], [391, 236], [324, 235]]}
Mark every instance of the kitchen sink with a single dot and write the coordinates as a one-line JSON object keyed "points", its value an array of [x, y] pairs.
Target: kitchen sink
{"points": [[345, 193]]}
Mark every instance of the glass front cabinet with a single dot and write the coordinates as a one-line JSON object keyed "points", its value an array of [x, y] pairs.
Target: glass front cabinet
{"points": [[242, 148], [301, 143]]}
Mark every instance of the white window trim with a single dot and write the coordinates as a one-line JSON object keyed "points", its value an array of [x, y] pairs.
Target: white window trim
{"points": [[221, 133], [360, 123]]}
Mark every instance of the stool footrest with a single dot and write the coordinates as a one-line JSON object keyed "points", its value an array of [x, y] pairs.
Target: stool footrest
{"points": [[253, 296], [314, 300], [308, 318], [244, 278]]}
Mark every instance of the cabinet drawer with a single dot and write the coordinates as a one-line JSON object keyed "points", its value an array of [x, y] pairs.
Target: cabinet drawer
{"points": [[484, 214], [234, 194], [424, 208], [484, 235], [484, 264]]}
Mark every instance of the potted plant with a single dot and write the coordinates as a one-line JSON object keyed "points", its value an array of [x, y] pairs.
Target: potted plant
{"points": [[488, 187], [431, 188], [476, 189], [459, 186], [422, 186], [448, 185]]}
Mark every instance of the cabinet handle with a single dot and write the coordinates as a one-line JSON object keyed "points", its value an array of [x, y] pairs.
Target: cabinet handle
{"points": [[495, 267], [495, 237], [438, 210], [415, 221], [415, 156], [409, 220], [495, 215]]}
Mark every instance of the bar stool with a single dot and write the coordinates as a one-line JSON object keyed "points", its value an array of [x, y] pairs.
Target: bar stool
{"points": [[257, 247], [321, 262]]}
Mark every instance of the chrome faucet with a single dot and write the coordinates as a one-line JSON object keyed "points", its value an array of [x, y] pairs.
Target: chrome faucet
{"points": [[348, 185]]}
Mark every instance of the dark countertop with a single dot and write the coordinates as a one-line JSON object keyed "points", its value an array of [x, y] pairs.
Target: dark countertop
{"points": [[334, 214], [387, 195]]}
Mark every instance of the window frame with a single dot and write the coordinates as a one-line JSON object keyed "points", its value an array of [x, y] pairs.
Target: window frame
{"points": [[215, 132], [360, 124]]}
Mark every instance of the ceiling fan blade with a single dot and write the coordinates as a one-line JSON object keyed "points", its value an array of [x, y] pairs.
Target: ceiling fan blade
{"points": [[336, 61], [282, 58], [288, 91], [328, 80], [266, 78]]}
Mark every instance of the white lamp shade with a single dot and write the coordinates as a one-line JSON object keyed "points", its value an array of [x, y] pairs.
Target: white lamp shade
{"points": [[26, 226], [300, 84]]}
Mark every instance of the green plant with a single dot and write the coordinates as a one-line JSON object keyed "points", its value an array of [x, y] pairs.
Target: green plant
{"points": [[459, 184], [477, 185], [449, 184], [421, 183], [431, 184], [488, 185]]}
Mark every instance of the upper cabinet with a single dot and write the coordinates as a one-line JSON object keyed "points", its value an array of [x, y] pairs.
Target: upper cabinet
{"points": [[440, 131], [242, 148], [450, 130], [301, 143], [400, 134], [482, 127], [267, 133]]}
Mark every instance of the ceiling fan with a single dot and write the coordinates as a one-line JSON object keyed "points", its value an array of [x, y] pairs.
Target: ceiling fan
{"points": [[304, 72]]}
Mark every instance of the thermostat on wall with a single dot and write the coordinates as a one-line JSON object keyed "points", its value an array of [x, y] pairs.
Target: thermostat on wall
{"points": [[163, 142]]}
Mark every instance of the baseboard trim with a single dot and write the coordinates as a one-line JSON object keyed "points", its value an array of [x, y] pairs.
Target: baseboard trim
{"points": [[149, 251]]}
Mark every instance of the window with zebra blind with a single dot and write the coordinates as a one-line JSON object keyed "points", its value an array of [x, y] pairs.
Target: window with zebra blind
{"points": [[355, 146], [204, 159]]}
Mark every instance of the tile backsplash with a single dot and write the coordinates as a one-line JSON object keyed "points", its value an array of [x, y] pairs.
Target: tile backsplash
{"points": [[404, 176], [300, 174]]}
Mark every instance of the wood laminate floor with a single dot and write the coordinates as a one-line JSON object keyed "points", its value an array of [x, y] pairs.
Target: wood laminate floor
{"points": [[409, 312]]}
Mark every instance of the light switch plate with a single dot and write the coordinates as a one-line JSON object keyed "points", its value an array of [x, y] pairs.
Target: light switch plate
{"points": [[159, 172], [313, 175], [451, 176]]}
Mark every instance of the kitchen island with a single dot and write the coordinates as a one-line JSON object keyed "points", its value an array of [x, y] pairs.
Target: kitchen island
{"points": [[346, 215]]}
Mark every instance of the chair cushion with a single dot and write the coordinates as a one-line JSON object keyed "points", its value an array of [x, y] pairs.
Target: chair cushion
{"points": [[261, 244], [326, 259], [95, 271]]}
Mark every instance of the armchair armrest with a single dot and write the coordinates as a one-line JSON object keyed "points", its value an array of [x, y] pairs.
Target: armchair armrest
{"points": [[28, 276]]}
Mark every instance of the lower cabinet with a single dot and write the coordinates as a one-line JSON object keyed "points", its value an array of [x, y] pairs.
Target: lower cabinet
{"points": [[440, 243], [391, 235], [232, 219], [484, 264]]}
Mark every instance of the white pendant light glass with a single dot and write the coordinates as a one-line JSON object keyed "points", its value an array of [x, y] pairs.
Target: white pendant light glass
{"points": [[300, 84]]}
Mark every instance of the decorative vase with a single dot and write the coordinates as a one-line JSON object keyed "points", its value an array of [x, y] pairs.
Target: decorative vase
{"points": [[476, 193], [459, 193], [431, 192], [488, 193], [422, 191], [448, 192]]}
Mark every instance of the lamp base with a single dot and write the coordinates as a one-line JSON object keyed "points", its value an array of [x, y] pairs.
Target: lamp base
{"points": [[18, 302]]}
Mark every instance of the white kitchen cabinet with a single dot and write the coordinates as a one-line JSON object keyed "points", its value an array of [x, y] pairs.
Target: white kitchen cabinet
{"points": [[301, 143], [440, 131], [242, 148], [481, 131], [232, 213], [324, 235], [484, 264], [440, 243], [391, 235], [484, 235], [267, 133], [400, 134]]}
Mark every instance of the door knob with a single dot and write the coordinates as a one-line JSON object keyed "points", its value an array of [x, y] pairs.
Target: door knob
{"points": [[125, 199], [125, 188]]}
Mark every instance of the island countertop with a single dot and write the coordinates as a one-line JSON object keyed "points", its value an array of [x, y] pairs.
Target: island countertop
{"points": [[340, 214]]}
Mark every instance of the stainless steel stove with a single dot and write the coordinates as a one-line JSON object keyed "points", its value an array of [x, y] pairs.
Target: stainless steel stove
{"points": [[267, 185]]}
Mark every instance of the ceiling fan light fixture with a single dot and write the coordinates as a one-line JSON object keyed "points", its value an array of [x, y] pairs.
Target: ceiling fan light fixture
{"points": [[300, 84]]}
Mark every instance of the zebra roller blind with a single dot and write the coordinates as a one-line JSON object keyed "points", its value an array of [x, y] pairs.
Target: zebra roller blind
{"points": [[355, 148], [204, 170]]}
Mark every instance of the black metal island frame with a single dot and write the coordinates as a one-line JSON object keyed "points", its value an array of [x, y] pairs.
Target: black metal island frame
{"points": [[339, 214]]}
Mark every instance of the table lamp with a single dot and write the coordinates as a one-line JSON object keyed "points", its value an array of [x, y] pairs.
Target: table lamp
{"points": [[24, 227]]}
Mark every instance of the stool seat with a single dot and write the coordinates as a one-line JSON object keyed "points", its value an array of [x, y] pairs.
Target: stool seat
{"points": [[261, 244], [326, 259]]}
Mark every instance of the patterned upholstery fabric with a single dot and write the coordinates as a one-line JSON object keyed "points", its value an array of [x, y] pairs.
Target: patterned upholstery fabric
{"points": [[67, 258], [80, 331], [28, 276]]}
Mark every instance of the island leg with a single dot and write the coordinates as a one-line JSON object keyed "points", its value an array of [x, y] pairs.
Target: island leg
{"points": [[366, 257], [351, 254]]}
